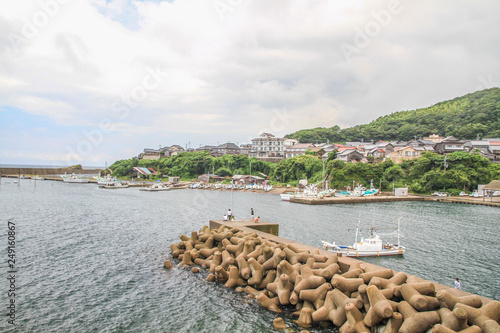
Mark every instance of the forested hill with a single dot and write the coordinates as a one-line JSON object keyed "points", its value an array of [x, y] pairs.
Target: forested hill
{"points": [[466, 117]]}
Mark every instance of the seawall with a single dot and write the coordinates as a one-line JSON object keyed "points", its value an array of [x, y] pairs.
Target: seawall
{"points": [[45, 171]]}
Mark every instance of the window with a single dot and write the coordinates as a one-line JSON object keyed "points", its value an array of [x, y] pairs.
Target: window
{"points": [[408, 153]]}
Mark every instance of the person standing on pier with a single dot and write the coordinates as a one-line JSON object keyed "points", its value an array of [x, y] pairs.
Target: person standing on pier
{"points": [[251, 213], [457, 284], [229, 214]]}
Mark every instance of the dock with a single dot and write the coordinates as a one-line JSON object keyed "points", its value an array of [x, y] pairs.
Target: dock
{"points": [[483, 201]]}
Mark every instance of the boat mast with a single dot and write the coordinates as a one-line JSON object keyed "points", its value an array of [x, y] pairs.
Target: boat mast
{"points": [[357, 231], [399, 220]]}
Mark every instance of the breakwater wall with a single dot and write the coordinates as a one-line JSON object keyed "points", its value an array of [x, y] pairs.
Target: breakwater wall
{"points": [[45, 171], [325, 289]]}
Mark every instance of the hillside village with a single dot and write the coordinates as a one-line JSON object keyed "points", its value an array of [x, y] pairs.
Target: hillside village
{"points": [[269, 148]]}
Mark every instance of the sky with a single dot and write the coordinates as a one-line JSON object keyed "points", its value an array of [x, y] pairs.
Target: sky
{"points": [[92, 82]]}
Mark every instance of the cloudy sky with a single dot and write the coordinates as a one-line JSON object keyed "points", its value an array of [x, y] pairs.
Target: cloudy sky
{"points": [[95, 81]]}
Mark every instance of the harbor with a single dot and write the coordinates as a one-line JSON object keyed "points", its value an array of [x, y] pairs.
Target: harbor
{"points": [[99, 250]]}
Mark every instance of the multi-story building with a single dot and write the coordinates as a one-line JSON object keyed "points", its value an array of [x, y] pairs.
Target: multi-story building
{"points": [[298, 149], [268, 146]]}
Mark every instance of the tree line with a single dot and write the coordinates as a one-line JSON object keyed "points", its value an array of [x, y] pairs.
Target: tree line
{"points": [[431, 172], [467, 117]]}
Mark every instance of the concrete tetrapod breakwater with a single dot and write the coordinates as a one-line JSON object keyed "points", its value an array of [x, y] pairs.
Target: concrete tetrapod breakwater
{"points": [[325, 289]]}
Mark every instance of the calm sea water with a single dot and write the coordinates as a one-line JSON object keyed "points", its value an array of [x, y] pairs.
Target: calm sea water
{"points": [[91, 260]]}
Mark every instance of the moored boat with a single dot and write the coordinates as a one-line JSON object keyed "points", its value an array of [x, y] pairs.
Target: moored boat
{"points": [[115, 185], [156, 188], [369, 247], [73, 178], [106, 180]]}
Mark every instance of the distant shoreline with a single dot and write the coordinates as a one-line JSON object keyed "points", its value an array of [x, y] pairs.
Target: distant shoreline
{"points": [[34, 166]]}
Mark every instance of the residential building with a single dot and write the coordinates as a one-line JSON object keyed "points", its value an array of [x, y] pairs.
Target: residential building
{"points": [[175, 150], [377, 153], [245, 149], [268, 146], [151, 154], [449, 145], [225, 149], [351, 155], [434, 138], [297, 149], [205, 148], [358, 143], [487, 148], [406, 153]]}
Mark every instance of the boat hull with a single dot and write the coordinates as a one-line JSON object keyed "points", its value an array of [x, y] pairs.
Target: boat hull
{"points": [[154, 189], [358, 254], [75, 180]]}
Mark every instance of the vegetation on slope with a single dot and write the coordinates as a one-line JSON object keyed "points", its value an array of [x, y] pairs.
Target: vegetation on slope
{"points": [[466, 117]]}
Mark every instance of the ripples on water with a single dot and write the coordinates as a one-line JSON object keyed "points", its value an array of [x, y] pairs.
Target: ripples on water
{"points": [[92, 260]]}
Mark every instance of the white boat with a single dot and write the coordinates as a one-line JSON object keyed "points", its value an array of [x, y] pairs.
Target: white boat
{"points": [[38, 178], [475, 194], [288, 195], [73, 178], [463, 194], [106, 180], [310, 190], [115, 185], [156, 188], [369, 247]]}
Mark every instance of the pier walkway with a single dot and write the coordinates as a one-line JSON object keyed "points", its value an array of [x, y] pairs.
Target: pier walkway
{"points": [[484, 201]]}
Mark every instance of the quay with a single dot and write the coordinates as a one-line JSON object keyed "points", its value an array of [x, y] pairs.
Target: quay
{"points": [[270, 231], [347, 200], [483, 201]]}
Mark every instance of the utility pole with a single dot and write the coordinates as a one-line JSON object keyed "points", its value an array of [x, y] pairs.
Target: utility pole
{"points": [[323, 174]]}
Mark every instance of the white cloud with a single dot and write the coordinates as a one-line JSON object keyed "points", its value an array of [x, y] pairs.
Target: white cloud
{"points": [[222, 79]]}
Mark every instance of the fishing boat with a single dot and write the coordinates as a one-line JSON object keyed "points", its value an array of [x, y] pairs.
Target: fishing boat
{"points": [[372, 246], [310, 190], [73, 178], [115, 185], [106, 180], [156, 188]]}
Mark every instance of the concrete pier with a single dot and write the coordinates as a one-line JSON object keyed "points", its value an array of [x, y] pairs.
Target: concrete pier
{"points": [[348, 200], [493, 202]]}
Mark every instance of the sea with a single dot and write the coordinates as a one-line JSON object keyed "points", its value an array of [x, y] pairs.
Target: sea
{"points": [[87, 259]]}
